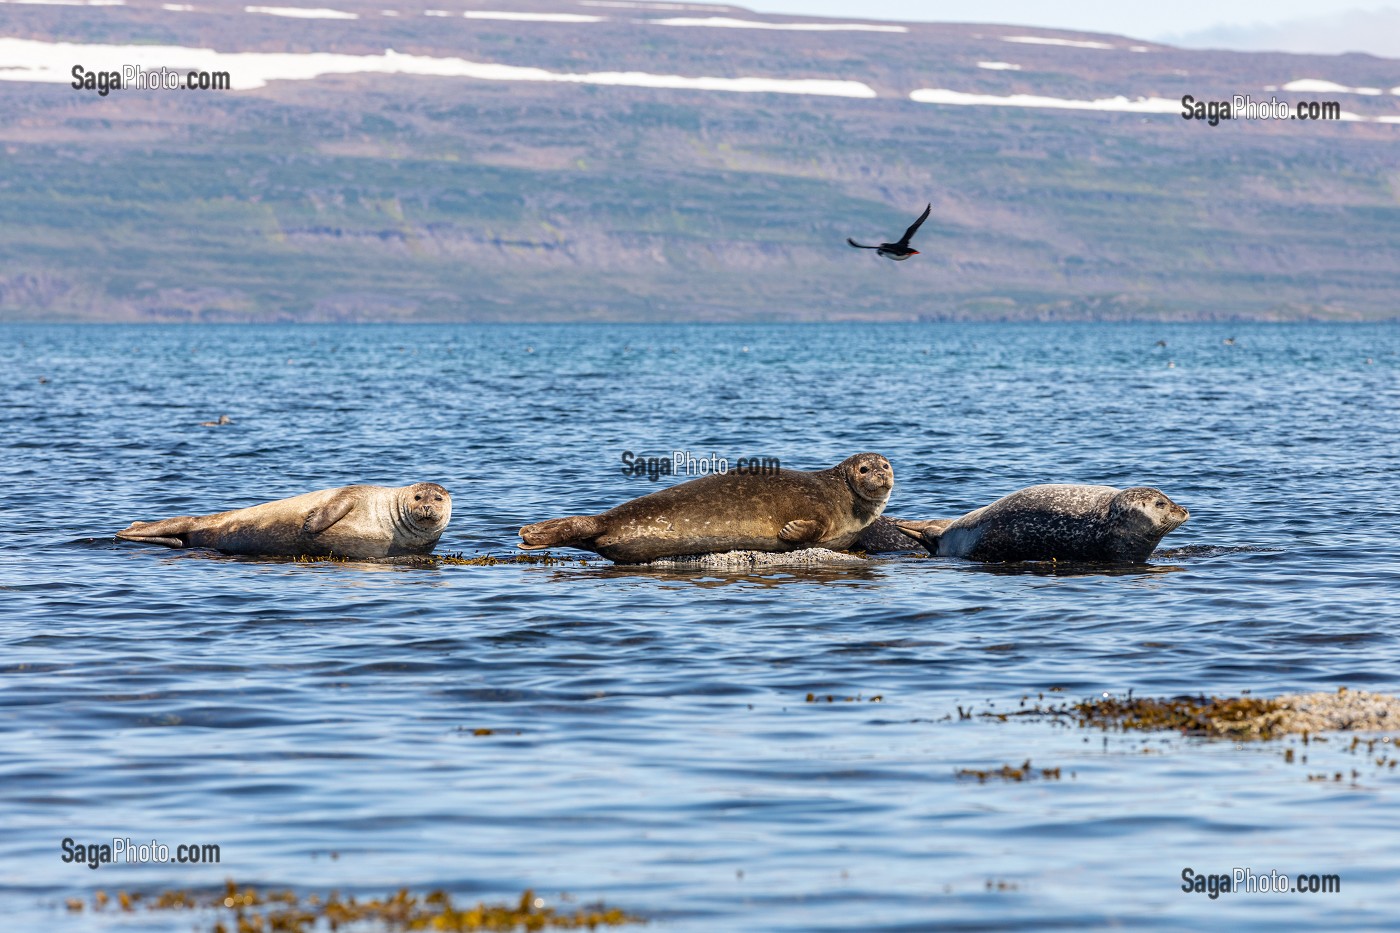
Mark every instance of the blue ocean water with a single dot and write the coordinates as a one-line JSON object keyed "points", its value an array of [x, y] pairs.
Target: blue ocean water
{"points": [[652, 744]]}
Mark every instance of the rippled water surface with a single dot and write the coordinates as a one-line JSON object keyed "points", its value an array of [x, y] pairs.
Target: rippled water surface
{"points": [[652, 743]]}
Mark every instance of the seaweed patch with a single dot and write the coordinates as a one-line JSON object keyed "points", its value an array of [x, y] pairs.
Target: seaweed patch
{"points": [[1008, 773], [247, 910], [832, 698], [1236, 718], [1247, 717]]}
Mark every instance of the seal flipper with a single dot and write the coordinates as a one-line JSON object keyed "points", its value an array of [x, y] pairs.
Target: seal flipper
{"points": [[927, 532], [882, 537], [327, 515], [574, 531], [166, 533], [163, 542], [800, 530]]}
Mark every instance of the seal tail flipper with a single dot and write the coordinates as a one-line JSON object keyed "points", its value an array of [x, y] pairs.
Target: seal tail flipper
{"points": [[927, 532], [167, 533], [574, 531]]}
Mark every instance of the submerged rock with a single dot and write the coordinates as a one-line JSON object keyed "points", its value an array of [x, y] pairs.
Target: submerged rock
{"points": [[748, 560], [1248, 717]]}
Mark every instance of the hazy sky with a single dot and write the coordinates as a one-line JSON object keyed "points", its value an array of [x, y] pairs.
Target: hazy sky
{"points": [[1139, 20]]}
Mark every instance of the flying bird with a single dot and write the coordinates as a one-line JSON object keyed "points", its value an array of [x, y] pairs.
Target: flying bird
{"points": [[897, 251]]}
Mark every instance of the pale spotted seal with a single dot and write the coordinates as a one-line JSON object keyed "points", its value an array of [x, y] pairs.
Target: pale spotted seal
{"points": [[1056, 522], [781, 511], [352, 522]]}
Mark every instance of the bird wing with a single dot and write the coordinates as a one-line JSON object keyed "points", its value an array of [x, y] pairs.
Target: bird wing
{"points": [[914, 227], [859, 245]]}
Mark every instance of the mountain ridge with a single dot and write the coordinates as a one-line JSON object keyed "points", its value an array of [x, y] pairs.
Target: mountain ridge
{"points": [[374, 196]]}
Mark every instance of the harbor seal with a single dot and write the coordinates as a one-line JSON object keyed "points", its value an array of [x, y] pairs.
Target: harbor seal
{"points": [[781, 511], [352, 522], [1056, 522]]}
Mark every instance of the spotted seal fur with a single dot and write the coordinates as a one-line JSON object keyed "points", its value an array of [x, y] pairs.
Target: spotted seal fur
{"points": [[1057, 521]]}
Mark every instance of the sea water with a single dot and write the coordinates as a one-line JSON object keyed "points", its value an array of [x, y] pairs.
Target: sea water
{"points": [[651, 740]]}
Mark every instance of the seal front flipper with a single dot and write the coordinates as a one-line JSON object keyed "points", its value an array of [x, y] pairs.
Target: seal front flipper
{"points": [[927, 532], [801, 530], [574, 531], [327, 515]]}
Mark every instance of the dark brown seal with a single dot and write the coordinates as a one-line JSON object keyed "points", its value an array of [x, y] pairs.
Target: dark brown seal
{"points": [[352, 522], [781, 511], [1056, 522]]}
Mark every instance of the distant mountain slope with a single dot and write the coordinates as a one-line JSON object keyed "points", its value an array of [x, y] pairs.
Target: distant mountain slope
{"points": [[1373, 31], [628, 161]]}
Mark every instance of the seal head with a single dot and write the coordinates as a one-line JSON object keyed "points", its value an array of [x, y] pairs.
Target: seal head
{"points": [[425, 508], [870, 478], [1138, 518]]}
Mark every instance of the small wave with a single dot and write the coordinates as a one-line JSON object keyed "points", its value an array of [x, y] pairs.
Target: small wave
{"points": [[1199, 551]]}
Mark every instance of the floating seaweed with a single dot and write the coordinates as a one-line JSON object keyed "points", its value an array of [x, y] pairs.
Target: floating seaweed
{"points": [[453, 559], [253, 911], [1008, 773], [544, 559], [1239, 718], [832, 698], [1233, 717]]}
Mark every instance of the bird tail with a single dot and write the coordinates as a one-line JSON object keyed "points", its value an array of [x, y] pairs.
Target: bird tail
{"points": [[859, 245]]}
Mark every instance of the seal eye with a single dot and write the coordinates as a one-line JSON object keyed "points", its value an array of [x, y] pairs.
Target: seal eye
{"points": [[865, 469], [1161, 504], [418, 497]]}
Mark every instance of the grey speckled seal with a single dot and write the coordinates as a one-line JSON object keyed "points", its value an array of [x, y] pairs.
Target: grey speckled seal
{"points": [[1056, 522], [352, 522], [783, 511]]}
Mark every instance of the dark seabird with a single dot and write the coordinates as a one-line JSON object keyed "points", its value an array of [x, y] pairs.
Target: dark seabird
{"points": [[897, 251]]}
